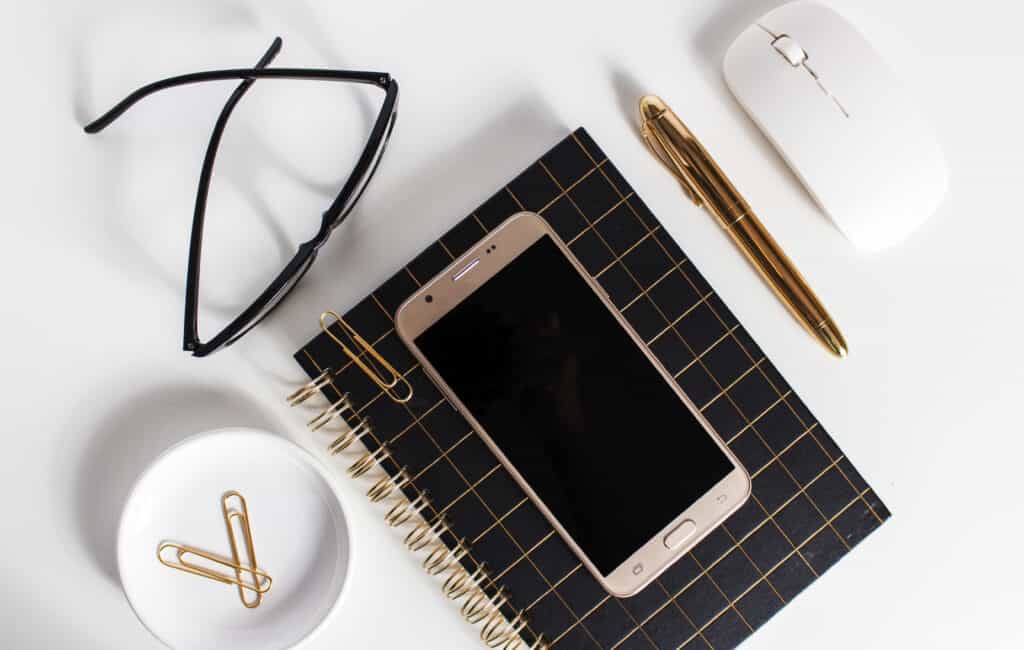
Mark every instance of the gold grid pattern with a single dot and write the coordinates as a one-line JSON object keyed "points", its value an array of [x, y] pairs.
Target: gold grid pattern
{"points": [[599, 170]]}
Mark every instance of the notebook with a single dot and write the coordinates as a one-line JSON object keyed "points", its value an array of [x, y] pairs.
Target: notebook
{"points": [[496, 557]]}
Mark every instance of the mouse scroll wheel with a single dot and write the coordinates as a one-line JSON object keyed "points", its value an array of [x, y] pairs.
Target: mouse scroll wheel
{"points": [[789, 49]]}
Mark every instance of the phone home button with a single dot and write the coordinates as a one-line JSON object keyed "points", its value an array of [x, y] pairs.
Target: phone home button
{"points": [[680, 534]]}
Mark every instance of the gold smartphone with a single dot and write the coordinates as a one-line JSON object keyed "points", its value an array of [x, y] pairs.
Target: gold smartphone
{"points": [[563, 391]]}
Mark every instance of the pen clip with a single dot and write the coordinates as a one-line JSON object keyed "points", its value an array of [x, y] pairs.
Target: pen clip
{"points": [[655, 142]]}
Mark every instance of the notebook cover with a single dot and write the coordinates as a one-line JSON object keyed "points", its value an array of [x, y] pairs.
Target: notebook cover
{"points": [[809, 506]]}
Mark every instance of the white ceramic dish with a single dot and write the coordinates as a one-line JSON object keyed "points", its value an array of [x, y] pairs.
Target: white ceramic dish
{"points": [[299, 531]]}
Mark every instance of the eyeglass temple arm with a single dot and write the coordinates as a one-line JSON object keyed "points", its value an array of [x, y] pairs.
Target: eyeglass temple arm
{"points": [[199, 212], [222, 119], [381, 79]]}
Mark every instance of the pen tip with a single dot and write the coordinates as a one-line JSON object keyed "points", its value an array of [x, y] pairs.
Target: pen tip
{"points": [[833, 339]]}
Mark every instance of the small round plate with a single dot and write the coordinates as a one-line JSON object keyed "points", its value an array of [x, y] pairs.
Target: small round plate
{"points": [[299, 534]]}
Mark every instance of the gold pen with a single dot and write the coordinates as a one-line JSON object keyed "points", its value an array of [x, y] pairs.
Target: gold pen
{"points": [[707, 185]]}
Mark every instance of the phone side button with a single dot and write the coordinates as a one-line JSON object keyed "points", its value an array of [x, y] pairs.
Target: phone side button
{"points": [[680, 534]]}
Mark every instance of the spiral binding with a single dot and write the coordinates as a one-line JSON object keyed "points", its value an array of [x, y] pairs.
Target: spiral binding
{"points": [[405, 510], [460, 583], [441, 558], [478, 607], [383, 488], [358, 432], [497, 631], [368, 461], [334, 410], [310, 389], [424, 533]]}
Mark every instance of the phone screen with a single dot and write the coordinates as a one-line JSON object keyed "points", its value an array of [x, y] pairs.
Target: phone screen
{"points": [[574, 404]]}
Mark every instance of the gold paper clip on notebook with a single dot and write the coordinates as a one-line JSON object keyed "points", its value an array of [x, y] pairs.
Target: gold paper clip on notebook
{"points": [[484, 603], [366, 358]]}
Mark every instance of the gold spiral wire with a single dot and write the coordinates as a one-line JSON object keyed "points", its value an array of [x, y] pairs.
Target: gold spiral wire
{"points": [[516, 643], [357, 432], [368, 461], [497, 630], [310, 388], [462, 582], [441, 558], [336, 408], [386, 485], [479, 606], [405, 510], [424, 533]]}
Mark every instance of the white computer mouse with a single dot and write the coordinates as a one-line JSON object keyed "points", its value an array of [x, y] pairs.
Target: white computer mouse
{"points": [[841, 119]]}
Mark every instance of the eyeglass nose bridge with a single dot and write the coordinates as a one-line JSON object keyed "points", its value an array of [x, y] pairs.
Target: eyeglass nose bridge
{"points": [[328, 222], [326, 226]]}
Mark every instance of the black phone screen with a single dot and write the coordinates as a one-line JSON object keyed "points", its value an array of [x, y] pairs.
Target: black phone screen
{"points": [[574, 404]]}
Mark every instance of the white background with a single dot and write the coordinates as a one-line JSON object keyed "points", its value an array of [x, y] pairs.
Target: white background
{"points": [[95, 232]]}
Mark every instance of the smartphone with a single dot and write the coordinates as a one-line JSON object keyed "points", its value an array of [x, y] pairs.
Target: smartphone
{"points": [[607, 445]]}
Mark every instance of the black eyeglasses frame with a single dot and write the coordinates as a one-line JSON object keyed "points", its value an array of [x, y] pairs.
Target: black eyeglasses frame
{"points": [[332, 217]]}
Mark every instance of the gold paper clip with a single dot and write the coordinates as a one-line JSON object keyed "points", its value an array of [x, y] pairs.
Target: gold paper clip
{"points": [[241, 514], [385, 376], [261, 581]]}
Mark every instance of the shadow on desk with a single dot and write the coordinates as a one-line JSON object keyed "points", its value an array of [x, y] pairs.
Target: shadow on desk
{"points": [[129, 439]]}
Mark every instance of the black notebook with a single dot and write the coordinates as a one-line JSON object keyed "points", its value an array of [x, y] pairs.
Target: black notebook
{"points": [[496, 557]]}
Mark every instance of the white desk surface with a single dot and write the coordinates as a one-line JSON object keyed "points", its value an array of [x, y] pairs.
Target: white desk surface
{"points": [[95, 234]]}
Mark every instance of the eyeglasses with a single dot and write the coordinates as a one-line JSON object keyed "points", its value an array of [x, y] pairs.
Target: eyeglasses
{"points": [[333, 216]]}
